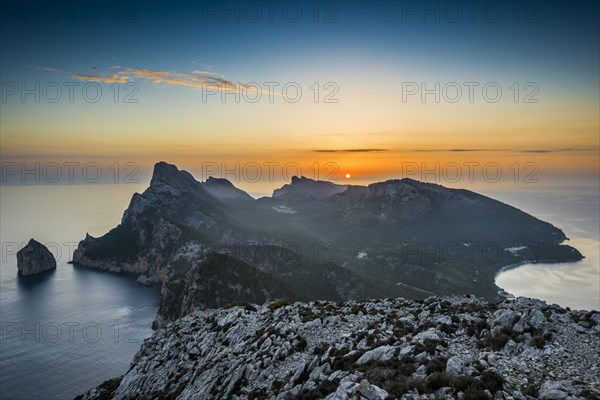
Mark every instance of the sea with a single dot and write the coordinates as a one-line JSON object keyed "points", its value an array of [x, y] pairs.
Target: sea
{"points": [[68, 330]]}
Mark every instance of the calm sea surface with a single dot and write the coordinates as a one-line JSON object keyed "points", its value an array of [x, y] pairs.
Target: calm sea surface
{"points": [[577, 212], [68, 330]]}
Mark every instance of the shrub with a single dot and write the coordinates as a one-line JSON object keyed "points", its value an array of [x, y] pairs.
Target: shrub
{"points": [[301, 345], [358, 308], [437, 365], [371, 339], [278, 304], [257, 394], [588, 394], [492, 380], [237, 303], [398, 386], [306, 314], [379, 375], [325, 388], [393, 375], [436, 381], [530, 390], [341, 361], [464, 382], [476, 394], [538, 341], [320, 349], [429, 346], [447, 329], [496, 342]]}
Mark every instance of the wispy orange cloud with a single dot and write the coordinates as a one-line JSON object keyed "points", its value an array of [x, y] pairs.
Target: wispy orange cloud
{"points": [[114, 78], [349, 150], [105, 79], [197, 79]]}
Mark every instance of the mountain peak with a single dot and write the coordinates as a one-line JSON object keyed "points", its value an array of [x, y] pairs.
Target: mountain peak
{"points": [[223, 189], [306, 187], [299, 179], [218, 181], [168, 174]]}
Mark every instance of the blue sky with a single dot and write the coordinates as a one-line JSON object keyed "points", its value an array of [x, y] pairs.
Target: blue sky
{"points": [[368, 49]]}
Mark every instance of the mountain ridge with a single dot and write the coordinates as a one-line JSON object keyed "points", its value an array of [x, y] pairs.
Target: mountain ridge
{"points": [[323, 241]]}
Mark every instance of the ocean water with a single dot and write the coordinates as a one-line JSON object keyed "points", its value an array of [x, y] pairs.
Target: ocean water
{"points": [[575, 210], [68, 330]]}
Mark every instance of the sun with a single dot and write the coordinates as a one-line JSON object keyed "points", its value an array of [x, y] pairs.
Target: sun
{"points": [[347, 176]]}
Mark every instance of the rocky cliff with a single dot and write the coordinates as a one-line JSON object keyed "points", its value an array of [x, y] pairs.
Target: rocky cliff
{"points": [[315, 240], [438, 348]]}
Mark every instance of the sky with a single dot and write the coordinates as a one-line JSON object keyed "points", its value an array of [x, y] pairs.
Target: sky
{"points": [[258, 91]]}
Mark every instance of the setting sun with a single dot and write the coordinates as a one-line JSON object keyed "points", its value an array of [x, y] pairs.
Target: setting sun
{"points": [[347, 176]]}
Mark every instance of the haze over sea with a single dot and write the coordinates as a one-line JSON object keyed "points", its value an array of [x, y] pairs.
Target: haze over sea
{"points": [[66, 331]]}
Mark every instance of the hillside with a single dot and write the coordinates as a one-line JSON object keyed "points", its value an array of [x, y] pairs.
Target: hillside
{"points": [[315, 240], [439, 348]]}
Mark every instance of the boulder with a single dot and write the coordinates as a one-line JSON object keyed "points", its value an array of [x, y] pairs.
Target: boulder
{"points": [[553, 390], [454, 365], [504, 318], [370, 392], [382, 353], [429, 334], [536, 319], [34, 258]]}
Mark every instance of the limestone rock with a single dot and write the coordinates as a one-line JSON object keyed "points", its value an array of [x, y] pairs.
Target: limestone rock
{"points": [[35, 258], [259, 352]]}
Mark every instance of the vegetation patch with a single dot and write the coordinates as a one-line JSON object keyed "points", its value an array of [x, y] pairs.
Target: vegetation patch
{"points": [[278, 304], [241, 303], [495, 342]]}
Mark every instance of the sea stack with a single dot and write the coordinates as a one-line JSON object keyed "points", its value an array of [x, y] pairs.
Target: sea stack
{"points": [[35, 258]]}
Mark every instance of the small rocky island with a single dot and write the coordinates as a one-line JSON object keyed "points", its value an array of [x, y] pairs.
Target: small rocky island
{"points": [[35, 258]]}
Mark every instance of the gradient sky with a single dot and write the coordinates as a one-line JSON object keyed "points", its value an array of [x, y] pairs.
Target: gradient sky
{"points": [[173, 51]]}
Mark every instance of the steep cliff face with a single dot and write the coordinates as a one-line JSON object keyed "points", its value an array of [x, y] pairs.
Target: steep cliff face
{"points": [[175, 209], [199, 279], [213, 281], [439, 348]]}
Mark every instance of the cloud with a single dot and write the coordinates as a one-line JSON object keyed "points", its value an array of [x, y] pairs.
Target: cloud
{"points": [[350, 150], [52, 70], [559, 150], [540, 151], [192, 80], [197, 79], [455, 150], [114, 78], [207, 73]]}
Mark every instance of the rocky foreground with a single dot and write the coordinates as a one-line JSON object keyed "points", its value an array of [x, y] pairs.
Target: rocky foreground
{"points": [[439, 348]]}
